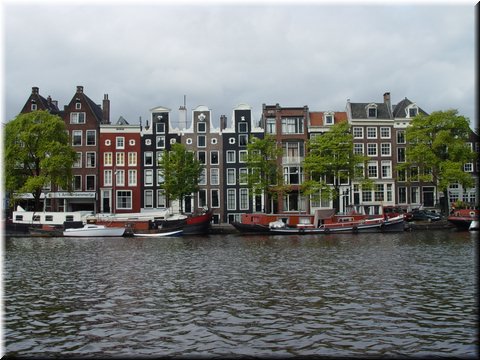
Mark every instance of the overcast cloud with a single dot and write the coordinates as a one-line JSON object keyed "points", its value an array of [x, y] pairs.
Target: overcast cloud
{"points": [[217, 55]]}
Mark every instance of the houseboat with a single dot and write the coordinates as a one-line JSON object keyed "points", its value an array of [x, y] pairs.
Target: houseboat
{"points": [[462, 218]]}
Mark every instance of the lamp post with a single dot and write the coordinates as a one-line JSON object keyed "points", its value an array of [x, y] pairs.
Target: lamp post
{"points": [[113, 195]]}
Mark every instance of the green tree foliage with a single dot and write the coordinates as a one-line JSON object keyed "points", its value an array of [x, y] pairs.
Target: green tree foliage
{"points": [[437, 147], [181, 172], [264, 176], [37, 154], [330, 159]]}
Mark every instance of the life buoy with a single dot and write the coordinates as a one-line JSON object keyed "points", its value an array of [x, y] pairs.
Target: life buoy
{"points": [[472, 213]]}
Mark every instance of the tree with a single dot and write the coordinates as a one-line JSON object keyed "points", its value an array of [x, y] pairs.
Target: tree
{"points": [[263, 176], [437, 147], [37, 154], [181, 172], [330, 159]]}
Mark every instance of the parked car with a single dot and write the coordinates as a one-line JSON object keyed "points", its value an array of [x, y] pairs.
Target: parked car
{"points": [[392, 211], [424, 215]]}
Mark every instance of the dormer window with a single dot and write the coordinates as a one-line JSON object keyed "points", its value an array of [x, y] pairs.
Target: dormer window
{"points": [[78, 105], [372, 111], [412, 111], [328, 118]]}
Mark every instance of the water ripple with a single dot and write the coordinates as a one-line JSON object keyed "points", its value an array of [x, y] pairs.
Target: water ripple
{"points": [[393, 294]]}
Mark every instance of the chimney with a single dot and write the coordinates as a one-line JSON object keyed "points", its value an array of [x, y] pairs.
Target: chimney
{"points": [[386, 100], [106, 109], [34, 90], [223, 122], [182, 119], [49, 100], [79, 89]]}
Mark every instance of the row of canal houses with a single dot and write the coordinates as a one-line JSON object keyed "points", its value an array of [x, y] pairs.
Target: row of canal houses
{"points": [[116, 169]]}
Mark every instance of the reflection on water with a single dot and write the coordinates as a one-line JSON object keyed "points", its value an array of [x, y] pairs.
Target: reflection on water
{"points": [[385, 294]]}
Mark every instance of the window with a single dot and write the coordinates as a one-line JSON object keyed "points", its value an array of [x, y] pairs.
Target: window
{"points": [[189, 141], [90, 182], [77, 118], [366, 195], [389, 192], [372, 112], [401, 137], [202, 197], [159, 157], [385, 133], [108, 142], [215, 198], [77, 182], [412, 112], [386, 169], [201, 141], [415, 195], [379, 192], [132, 159], [231, 179], [231, 201], [107, 178], [214, 157], [202, 179], [358, 132], [271, 126], [401, 175], [77, 137], [372, 149], [78, 105], [91, 160], [243, 193], [124, 200], [132, 177], [328, 119], [386, 149], [120, 159], [231, 140], [230, 156], [213, 141], [120, 142], [402, 195], [148, 181], [215, 176], [202, 157], [161, 199], [401, 155], [242, 156], [160, 178], [148, 199], [292, 175], [243, 176], [148, 158], [292, 125], [33, 107], [468, 167], [371, 132], [161, 142], [293, 152], [243, 140], [358, 149], [201, 127], [78, 160], [107, 159], [414, 172], [160, 127], [242, 127], [372, 169], [91, 137], [120, 177]]}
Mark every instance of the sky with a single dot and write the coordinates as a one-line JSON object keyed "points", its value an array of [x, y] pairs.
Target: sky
{"points": [[145, 54]]}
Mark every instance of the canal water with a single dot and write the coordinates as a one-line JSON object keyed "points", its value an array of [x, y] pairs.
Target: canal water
{"points": [[399, 294]]}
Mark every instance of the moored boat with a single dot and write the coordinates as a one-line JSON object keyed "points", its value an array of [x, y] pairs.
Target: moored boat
{"points": [[159, 234], [93, 230], [322, 222], [462, 218]]}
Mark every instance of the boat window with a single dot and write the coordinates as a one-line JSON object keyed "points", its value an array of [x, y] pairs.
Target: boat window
{"points": [[18, 217], [48, 217], [36, 217], [304, 220], [69, 218]]}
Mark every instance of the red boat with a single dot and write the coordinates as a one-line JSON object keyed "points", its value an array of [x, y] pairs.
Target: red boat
{"points": [[322, 222], [462, 218]]}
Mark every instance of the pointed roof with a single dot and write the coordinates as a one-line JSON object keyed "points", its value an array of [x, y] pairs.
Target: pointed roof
{"points": [[399, 109]]}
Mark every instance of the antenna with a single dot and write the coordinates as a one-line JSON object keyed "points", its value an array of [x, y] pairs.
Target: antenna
{"points": [[184, 101]]}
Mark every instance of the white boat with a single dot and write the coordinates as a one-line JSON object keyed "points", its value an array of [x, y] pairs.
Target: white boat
{"points": [[92, 230], [159, 234]]}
